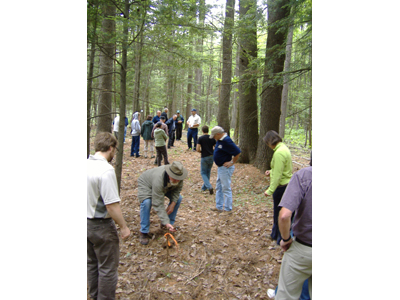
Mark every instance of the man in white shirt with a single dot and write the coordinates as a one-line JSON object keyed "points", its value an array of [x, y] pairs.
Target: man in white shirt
{"points": [[102, 210], [194, 123], [116, 125]]}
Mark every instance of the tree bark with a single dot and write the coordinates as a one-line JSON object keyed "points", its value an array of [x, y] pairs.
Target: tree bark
{"points": [[285, 90], [138, 67], [106, 67], [90, 81], [248, 132], [224, 98], [122, 102], [271, 95]]}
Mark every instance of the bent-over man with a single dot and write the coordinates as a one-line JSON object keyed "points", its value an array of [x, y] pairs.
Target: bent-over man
{"points": [[102, 210], [153, 186]]}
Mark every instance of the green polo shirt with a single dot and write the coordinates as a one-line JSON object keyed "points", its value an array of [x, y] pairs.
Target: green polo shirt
{"points": [[281, 167]]}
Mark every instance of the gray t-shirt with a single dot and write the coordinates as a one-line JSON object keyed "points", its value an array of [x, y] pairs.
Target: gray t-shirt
{"points": [[298, 197]]}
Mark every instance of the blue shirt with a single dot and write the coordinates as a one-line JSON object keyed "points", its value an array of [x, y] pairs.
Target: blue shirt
{"points": [[224, 150], [156, 119]]}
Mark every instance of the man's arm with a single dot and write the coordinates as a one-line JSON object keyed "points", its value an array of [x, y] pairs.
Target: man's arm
{"points": [[232, 162], [284, 221], [198, 148], [115, 212]]}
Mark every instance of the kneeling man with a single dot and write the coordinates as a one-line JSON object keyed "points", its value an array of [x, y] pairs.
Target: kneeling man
{"points": [[153, 186]]}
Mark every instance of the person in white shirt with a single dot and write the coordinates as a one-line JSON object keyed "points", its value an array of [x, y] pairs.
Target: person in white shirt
{"points": [[193, 123], [116, 125], [103, 211]]}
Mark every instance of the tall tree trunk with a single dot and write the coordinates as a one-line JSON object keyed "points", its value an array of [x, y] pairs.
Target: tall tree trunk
{"points": [[106, 68], [90, 81], [235, 106], [122, 102], [271, 95], [189, 97], [285, 90], [248, 135], [224, 99], [199, 49], [138, 67]]}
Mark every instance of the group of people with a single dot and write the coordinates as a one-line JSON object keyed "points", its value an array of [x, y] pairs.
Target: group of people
{"points": [[292, 228]]}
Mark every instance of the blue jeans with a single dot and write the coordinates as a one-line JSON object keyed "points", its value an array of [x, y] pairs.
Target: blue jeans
{"points": [[223, 188], [206, 165], [145, 208], [124, 134], [135, 145], [192, 132]]}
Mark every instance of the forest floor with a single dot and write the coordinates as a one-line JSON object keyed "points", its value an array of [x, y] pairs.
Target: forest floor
{"points": [[219, 257]]}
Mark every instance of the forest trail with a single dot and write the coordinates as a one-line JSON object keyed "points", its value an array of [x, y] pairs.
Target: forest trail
{"points": [[219, 257]]}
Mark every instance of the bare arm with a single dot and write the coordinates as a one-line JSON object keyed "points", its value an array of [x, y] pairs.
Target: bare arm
{"points": [[232, 162], [115, 212], [198, 148], [285, 216]]}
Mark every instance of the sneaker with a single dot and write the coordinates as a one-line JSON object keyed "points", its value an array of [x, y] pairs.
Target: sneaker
{"points": [[216, 209], [152, 156], [211, 191], [144, 238], [137, 156]]}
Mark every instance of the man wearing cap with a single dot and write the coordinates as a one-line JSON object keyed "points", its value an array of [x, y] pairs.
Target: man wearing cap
{"points": [[178, 124], [193, 123], [226, 154], [153, 186]]}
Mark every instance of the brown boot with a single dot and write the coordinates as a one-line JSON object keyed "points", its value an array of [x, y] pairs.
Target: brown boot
{"points": [[144, 238]]}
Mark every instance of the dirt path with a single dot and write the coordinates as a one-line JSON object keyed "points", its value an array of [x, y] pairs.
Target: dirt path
{"points": [[219, 257]]}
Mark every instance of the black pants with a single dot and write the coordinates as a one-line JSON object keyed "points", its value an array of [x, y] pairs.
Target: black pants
{"points": [[162, 151], [178, 132], [171, 139], [277, 196], [102, 258]]}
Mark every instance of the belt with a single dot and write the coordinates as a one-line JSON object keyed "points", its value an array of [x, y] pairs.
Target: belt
{"points": [[303, 243]]}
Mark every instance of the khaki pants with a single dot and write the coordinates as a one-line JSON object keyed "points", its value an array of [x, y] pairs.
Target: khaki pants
{"points": [[149, 146], [296, 268]]}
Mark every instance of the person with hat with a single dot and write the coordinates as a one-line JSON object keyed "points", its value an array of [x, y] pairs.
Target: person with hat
{"points": [[153, 186], [178, 124], [193, 123], [226, 154]]}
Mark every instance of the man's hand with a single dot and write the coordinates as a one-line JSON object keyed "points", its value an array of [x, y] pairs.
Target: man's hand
{"points": [[286, 245], [170, 208], [228, 164], [267, 173], [266, 194], [125, 233], [170, 227]]}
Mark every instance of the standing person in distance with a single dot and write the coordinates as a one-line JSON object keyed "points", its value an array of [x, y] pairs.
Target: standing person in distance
{"points": [[125, 127], [160, 137], [163, 126], [147, 128], [103, 210], [115, 126], [171, 130], [205, 145], [165, 113], [136, 130], [179, 124], [280, 174], [226, 154], [156, 118], [193, 123]]}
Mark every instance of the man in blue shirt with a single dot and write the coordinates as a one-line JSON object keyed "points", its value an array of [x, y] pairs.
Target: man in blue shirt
{"points": [[225, 149], [156, 118]]}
